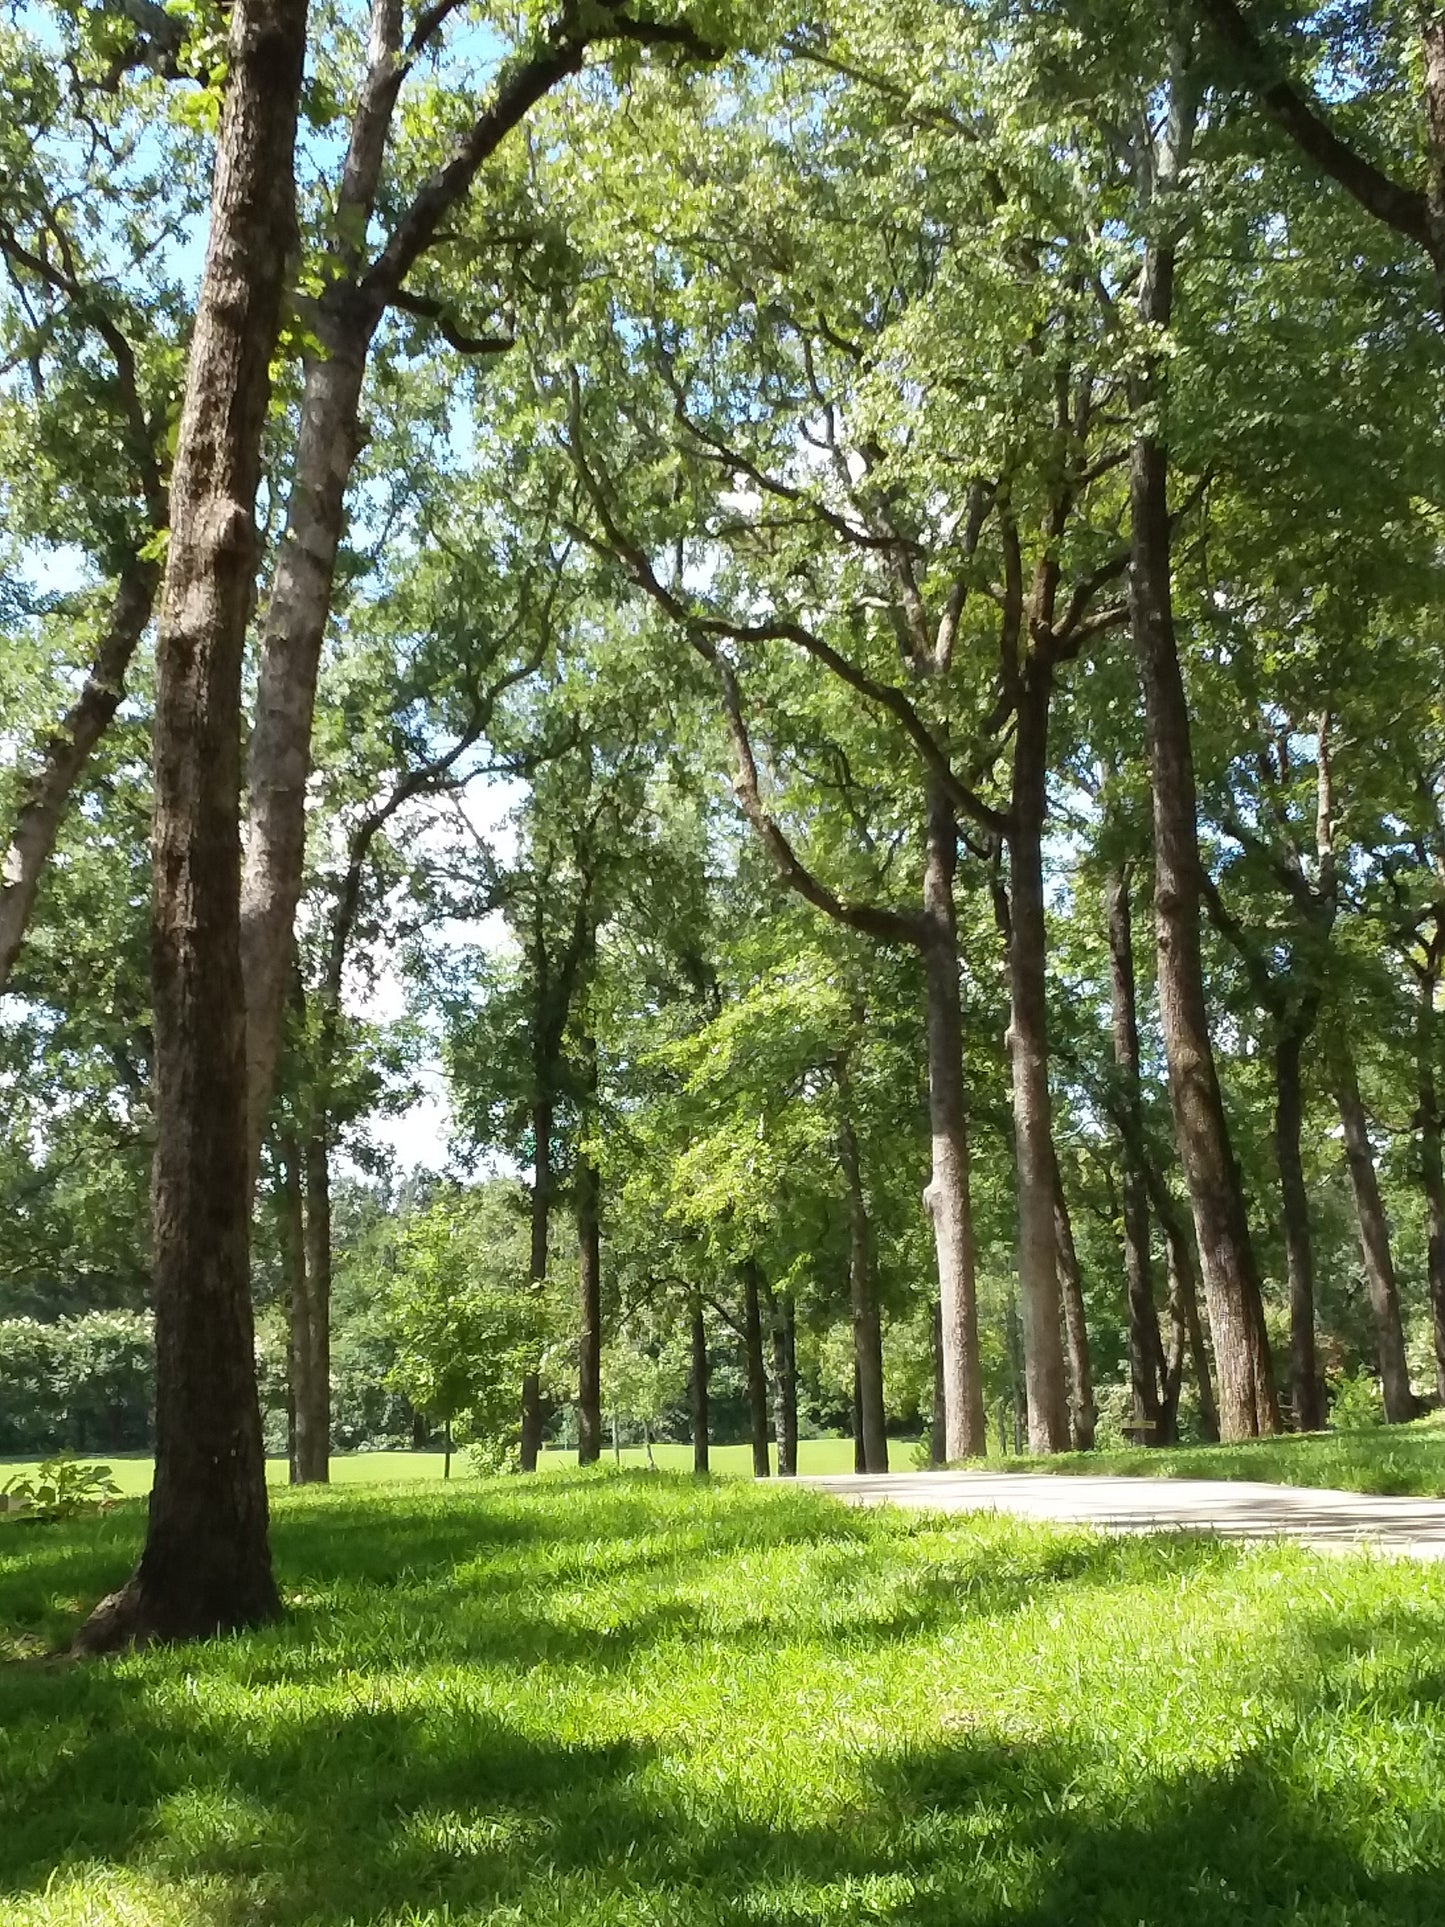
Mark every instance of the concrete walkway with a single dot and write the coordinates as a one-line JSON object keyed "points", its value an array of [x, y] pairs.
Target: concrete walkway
{"points": [[1229, 1509]]}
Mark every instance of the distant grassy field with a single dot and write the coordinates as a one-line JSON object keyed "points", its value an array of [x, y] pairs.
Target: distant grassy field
{"points": [[603, 1701], [1390, 1458], [133, 1475]]}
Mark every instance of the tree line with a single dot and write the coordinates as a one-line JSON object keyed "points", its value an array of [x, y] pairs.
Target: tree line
{"points": [[933, 527]]}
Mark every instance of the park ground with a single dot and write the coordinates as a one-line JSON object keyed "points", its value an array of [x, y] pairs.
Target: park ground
{"points": [[602, 1700], [1403, 1459]]}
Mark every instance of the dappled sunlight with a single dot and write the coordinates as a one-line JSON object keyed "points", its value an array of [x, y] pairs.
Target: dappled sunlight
{"points": [[641, 1699]]}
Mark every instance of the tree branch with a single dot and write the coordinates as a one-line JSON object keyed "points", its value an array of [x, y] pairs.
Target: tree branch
{"points": [[1296, 110]]}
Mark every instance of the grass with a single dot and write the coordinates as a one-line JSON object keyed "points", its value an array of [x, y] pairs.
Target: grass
{"points": [[133, 1472], [636, 1701], [1407, 1459]]}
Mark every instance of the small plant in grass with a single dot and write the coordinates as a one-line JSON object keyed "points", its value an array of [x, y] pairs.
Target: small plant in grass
{"points": [[1355, 1403], [62, 1488]]}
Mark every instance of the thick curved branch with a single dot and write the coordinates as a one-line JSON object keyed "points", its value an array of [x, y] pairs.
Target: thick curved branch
{"points": [[47, 793], [699, 622], [870, 920], [524, 80], [1295, 109]]}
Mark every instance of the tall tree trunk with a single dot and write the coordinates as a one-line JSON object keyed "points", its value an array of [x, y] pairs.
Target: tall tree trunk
{"points": [[301, 1360], [46, 794], [937, 1423], [328, 444], [589, 1252], [206, 1563], [1146, 1350], [1081, 1379], [1432, 1166], [1374, 1241], [1172, 1382], [1182, 1289], [1029, 1068], [279, 759], [314, 1425], [1248, 1406], [1018, 1387], [756, 1371], [589, 1345], [698, 1386], [947, 1197], [291, 1201], [781, 1320], [870, 1419], [532, 1419], [1309, 1402]]}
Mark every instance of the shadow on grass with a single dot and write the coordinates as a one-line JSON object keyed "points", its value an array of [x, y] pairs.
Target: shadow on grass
{"points": [[200, 1768], [483, 1822]]}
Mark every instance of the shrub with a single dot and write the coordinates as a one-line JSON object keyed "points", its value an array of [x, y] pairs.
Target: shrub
{"points": [[1355, 1403]]}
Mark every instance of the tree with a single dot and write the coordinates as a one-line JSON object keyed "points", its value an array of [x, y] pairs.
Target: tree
{"points": [[358, 286], [465, 1323], [1416, 213], [206, 1562]]}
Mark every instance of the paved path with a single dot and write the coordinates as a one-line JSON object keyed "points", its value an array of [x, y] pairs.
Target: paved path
{"points": [[1230, 1509]]}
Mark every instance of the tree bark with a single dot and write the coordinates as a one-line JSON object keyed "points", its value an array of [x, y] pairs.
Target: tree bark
{"points": [[947, 1197], [291, 1202], [279, 759], [937, 1423], [206, 1564], [313, 1423], [1374, 1242], [328, 444], [1433, 1169], [1081, 1379], [699, 1386], [589, 1348], [1018, 1387], [532, 1420], [757, 1376], [1029, 1067], [870, 1418], [1146, 1349], [781, 1320], [1231, 1284], [1432, 1165], [1309, 1402], [47, 793], [1248, 1406]]}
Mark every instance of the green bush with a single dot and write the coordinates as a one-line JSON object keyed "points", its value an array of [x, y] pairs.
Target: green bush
{"points": [[1355, 1403]]}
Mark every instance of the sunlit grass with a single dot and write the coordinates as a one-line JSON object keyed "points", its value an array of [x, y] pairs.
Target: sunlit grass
{"points": [[133, 1473], [1386, 1459], [640, 1702]]}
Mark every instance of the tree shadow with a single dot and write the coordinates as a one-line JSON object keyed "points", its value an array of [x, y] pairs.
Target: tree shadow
{"points": [[418, 1773], [488, 1821]]}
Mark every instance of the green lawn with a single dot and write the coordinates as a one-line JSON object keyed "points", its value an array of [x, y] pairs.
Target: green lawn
{"points": [[1398, 1458], [640, 1702], [1389, 1458], [133, 1474]]}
